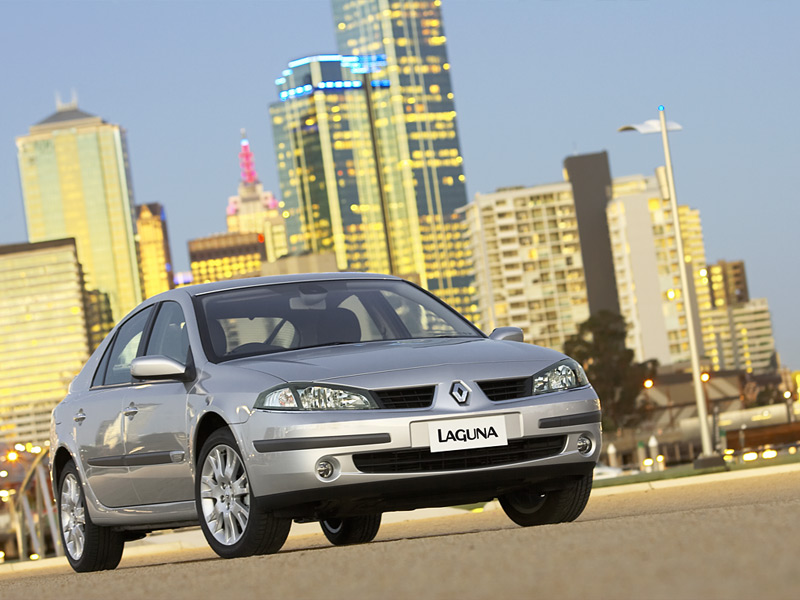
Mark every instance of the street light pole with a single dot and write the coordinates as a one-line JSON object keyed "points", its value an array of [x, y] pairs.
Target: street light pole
{"points": [[708, 456], [691, 329]]}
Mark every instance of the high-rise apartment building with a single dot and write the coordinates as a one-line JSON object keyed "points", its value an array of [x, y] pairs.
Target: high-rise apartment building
{"points": [[734, 333], [739, 336], [43, 334], [648, 277], [728, 283], [530, 269], [154, 255], [254, 210], [76, 183], [737, 330], [645, 280], [543, 259]]}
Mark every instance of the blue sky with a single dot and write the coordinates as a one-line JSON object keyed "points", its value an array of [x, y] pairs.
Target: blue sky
{"points": [[535, 81]]}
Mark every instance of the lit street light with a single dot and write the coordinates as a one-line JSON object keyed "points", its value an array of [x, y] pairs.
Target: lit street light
{"points": [[708, 457]]}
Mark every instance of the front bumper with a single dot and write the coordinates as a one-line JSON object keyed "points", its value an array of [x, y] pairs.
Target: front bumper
{"points": [[283, 450]]}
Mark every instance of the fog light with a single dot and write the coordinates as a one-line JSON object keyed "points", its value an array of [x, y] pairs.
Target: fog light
{"points": [[584, 445], [324, 469]]}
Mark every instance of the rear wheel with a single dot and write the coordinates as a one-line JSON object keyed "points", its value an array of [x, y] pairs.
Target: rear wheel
{"points": [[231, 523], [88, 547], [351, 530], [531, 507]]}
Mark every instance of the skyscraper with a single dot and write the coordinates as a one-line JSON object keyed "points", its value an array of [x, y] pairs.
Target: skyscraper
{"points": [[334, 197], [154, 255], [43, 334], [401, 117], [254, 210], [76, 183]]}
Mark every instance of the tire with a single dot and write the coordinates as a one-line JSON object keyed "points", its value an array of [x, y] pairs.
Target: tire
{"points": [[530, 507], [88, 547], [351, 530], [230, 521]]}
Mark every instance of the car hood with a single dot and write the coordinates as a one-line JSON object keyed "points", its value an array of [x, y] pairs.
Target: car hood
{"points": [[430, 359]]}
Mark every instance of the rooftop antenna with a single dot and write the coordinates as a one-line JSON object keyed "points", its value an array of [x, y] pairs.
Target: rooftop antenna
{"points": [[71, 105]]}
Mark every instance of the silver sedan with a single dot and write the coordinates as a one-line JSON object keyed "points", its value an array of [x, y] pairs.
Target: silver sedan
{"points": [[245, 405]]}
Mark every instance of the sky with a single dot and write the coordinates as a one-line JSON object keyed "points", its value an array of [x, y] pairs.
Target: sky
{"points": [[535, 81]]}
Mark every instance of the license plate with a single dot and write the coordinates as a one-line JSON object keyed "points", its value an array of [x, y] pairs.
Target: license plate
{"points": [[462, 434]]}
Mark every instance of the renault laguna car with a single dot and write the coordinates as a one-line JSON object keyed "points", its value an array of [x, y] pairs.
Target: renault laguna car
{"points": [[246, 405]]}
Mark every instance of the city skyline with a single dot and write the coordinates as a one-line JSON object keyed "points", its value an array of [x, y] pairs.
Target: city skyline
{"points": [[545, 80]]}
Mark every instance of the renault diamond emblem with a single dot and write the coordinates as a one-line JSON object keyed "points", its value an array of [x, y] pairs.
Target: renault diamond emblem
{"points": [[460, 392]]}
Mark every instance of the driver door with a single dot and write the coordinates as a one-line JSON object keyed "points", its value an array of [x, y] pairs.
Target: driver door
{"points": [[155, 426]]}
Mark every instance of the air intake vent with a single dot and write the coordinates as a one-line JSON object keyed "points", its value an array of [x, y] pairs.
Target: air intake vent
{"points": [[423, 460], [507, 389], [416, 397]]}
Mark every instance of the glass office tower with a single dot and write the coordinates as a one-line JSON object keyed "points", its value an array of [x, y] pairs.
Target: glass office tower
{"points": [[154, 253], [416, 129], [76, 183], [334, 195], [44, 338]]}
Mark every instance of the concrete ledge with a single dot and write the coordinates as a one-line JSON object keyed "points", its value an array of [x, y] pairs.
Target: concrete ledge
{"points": [[192, 538], [695, 480]]}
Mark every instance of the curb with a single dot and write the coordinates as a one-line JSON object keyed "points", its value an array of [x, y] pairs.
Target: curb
{"points": [[695, 480], [192, 539]]}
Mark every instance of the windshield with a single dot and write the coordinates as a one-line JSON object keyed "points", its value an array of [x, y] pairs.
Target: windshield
{"points": [[277, 318]]}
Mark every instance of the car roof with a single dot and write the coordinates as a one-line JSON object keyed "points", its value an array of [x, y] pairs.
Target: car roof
{"points": [[231, 284]]}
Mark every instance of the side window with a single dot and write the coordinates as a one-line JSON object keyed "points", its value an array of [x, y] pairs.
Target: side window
{"points": [[101, 368], [369, 329], [169, 337], [126, 347]]}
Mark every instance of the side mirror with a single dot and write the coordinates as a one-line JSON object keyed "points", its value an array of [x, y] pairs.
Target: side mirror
{"points": [[158, 367], [512, 334]]}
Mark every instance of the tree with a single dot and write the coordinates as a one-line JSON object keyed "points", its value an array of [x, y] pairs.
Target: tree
{"points": [[599, 346]]}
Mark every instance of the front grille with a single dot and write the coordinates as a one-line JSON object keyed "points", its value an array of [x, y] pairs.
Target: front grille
{"points": [[423, 460], [507, 389], [417, 397]]}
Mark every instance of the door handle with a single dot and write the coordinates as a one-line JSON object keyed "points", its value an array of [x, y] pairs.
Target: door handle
{"points": [[79, 417], [130, 411]]}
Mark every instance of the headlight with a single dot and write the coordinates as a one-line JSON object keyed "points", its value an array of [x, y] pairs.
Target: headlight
{"points": [[314, 397], [564, 375]]}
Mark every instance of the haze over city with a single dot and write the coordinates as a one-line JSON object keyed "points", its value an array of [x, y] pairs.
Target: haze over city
{"points": [[534, 83]]}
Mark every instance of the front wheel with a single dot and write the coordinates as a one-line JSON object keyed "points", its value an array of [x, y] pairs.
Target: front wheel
{"points": [[231, 523], [351, 530], [531, 507], [88, 547]]}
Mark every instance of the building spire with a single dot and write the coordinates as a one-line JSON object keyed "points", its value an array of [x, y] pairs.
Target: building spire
{"points": [[246, 164]]}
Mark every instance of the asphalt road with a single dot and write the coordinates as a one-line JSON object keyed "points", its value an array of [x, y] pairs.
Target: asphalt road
{"points": [[729, 539]]}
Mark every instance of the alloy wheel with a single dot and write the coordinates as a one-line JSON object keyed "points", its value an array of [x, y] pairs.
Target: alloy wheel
{"points": [[225, 494], [73, 517]]}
